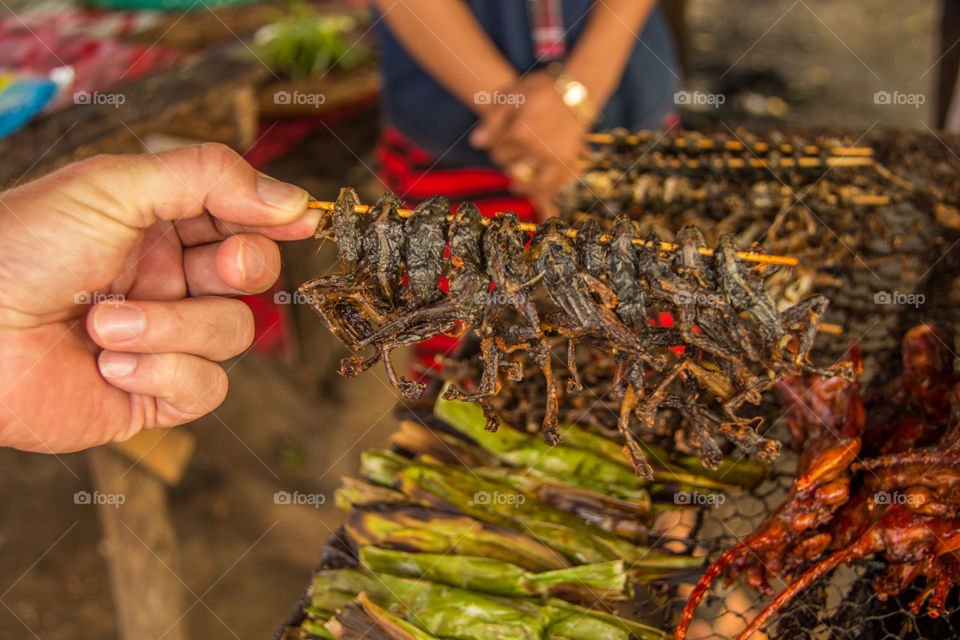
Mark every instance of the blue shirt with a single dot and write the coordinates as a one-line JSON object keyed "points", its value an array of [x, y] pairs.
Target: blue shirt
{"points": [[414, 103]]}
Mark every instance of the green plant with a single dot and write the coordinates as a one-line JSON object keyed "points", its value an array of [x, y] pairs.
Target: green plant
{"points": [[306, 43]]}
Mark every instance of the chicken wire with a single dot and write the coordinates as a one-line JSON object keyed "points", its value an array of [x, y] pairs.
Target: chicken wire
{"points": [[840, 606]]}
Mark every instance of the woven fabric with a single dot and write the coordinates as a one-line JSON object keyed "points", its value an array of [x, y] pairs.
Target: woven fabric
{"points": [[546, 28]]}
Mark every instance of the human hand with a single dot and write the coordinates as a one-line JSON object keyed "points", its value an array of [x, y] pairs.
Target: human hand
{"points": [[538, 140], [156, 241]]}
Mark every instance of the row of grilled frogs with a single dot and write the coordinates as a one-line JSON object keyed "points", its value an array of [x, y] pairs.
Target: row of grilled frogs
{"points": [[728, 342]]}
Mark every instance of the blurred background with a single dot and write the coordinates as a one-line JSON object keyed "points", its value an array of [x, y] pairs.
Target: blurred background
{"points": [[222, 521]]}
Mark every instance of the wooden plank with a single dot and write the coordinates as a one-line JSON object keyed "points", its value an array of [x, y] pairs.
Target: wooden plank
{"points": [[163, 452], [142, 551]]}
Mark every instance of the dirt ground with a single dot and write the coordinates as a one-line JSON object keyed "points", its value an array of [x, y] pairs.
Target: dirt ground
{"points": [[288, 424], [825, 59]]}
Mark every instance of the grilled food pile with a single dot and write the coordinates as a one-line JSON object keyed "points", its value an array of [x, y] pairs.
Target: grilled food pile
{"points": [[628, 353], [832, 205], [457, 532], [666, 175], [725, 345], [593, 405], [878, 475]]}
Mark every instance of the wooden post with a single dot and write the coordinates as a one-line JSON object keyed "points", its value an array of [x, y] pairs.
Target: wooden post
{"points": [[948, 59], [142, 552]]}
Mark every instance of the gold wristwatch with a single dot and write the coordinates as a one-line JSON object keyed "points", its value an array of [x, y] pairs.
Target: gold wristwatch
{"points": [[573, 94]]}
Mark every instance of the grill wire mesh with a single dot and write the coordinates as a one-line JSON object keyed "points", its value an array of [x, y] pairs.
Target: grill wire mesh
{"points": [[910, 250], [906, 246], [841, 606]]}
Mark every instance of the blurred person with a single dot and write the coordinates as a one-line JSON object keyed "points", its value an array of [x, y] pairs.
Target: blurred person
{"points": [[490, 100], [115, 274], [485, 100]]}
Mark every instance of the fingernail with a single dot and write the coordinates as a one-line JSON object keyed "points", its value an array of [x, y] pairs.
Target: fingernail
{"points": [[117, 364], [280, 194], [249, 261], [118, 323]]}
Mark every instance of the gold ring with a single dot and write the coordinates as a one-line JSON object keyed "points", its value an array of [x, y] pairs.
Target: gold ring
{"points": [[521, 172]]}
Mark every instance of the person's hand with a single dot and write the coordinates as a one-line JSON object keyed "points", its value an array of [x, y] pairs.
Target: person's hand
{"points": [[154, 242], [546, 179], [537, 140]]}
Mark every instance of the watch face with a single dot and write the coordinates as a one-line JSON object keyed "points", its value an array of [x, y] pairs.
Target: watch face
{"points": [[575, 93]]}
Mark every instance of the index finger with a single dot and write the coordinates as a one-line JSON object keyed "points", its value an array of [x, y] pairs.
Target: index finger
{"points": [[185, 183], [206, 229]]}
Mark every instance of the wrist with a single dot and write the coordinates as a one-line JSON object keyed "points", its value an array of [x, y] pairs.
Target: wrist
{"points": [[600, 75], [483, 98], [602, 51], [576, 95]]}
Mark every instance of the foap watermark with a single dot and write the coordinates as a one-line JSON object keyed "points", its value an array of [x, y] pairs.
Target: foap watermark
{"points": [[698, 298], [97, 97], [86, 497], [899, 298], [698, 99], [697, 499], [292, 297], [499, 298], [314, 500], [498, 497], [97, 297], [909, 498], [896, 97], [299, 98], [499, 97]]}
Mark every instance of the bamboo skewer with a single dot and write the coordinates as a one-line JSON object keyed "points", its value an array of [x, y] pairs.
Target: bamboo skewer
{"points": [[701, 194], [740, 163], [748, 256], [831, 328], [730, 145], [870, 198]]}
